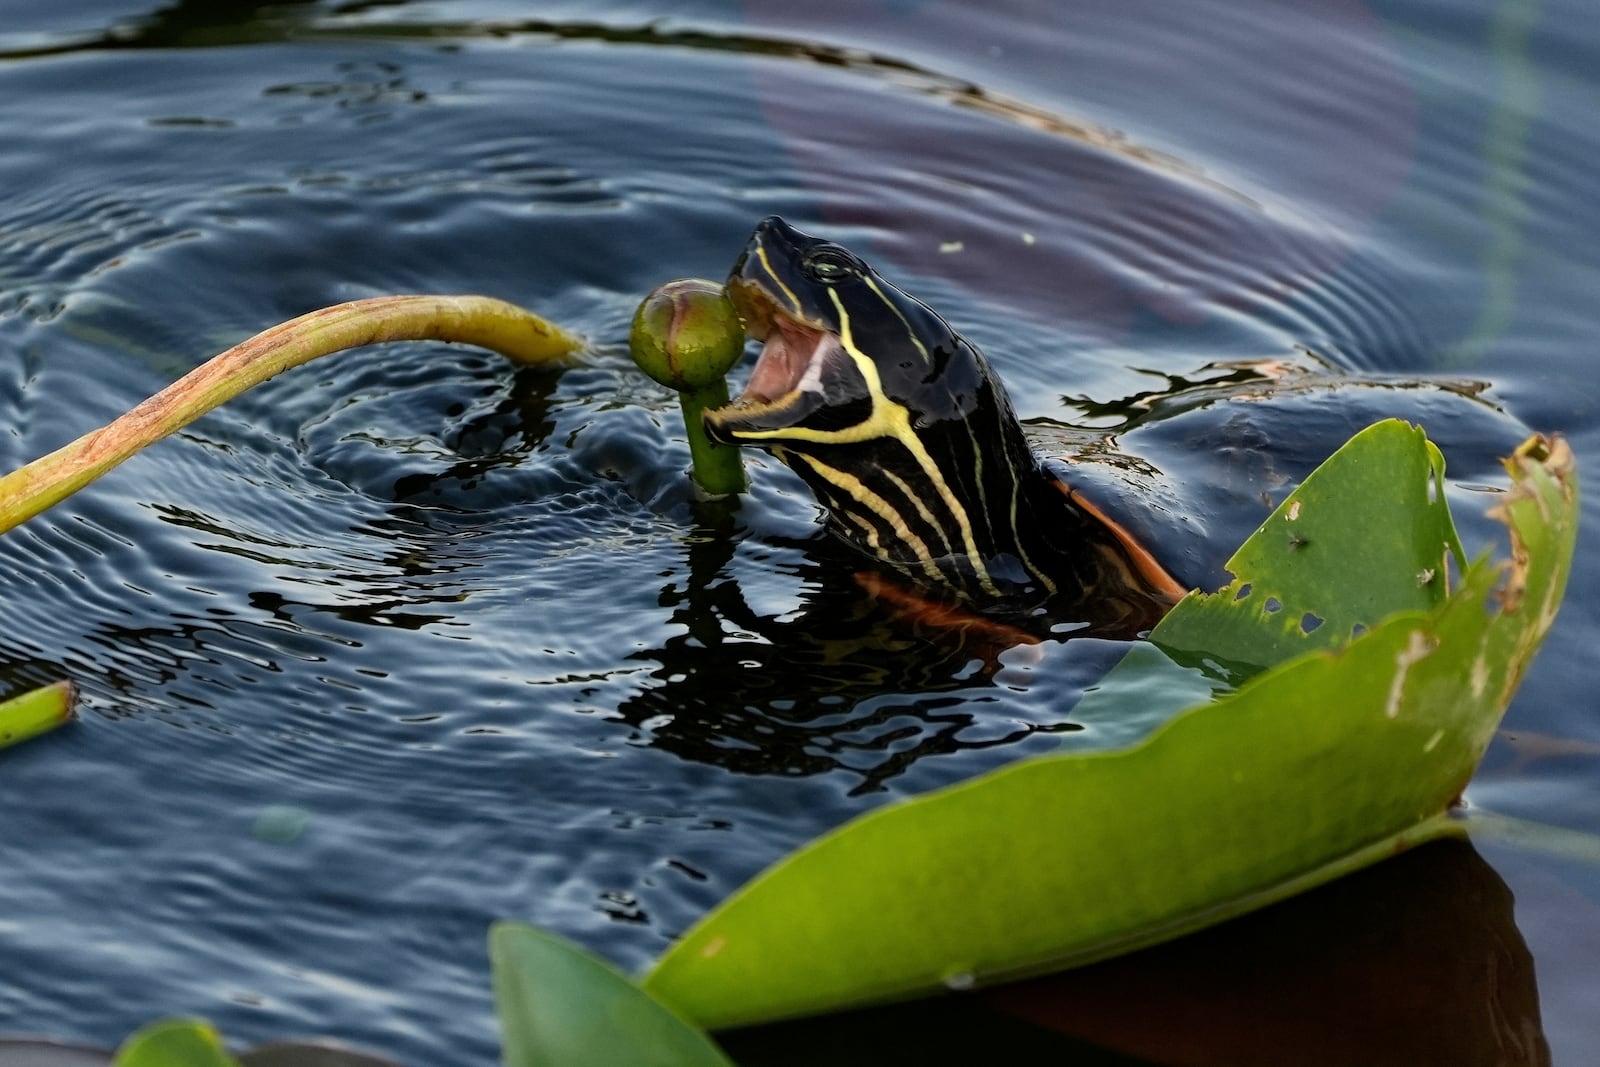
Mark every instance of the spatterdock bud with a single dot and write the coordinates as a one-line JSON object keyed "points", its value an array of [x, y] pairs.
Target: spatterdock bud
{"points": [[686, 335]]}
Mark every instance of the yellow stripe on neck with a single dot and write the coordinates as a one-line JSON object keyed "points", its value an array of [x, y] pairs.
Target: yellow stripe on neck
{"points": [[897, 421], [922, 509], [911, 333], [880, 507]]}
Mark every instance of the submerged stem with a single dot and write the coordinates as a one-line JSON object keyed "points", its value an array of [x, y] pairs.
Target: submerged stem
{"points": [[519, 335]]}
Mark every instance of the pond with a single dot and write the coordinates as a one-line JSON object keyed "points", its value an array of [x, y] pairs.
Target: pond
{"points": [[407, 641]]}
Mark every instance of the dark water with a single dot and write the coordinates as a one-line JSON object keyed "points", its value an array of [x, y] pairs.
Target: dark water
{"points": [[407, 641]]}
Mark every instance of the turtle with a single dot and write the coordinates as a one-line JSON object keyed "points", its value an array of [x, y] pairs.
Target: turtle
{"points": [[907, 437]]}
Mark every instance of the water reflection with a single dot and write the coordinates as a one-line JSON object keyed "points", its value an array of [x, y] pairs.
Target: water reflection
{"points": [[848, 680], [1051, 161], [843, 682], [1416, 962]]}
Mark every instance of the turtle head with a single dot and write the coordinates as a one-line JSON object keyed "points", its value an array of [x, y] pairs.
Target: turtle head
{"points": [[844, 350], [895, 421]]}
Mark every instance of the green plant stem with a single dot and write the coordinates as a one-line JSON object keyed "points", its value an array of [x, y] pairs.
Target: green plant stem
{"points": [[36, 712], [519, 335], [718, 469]]}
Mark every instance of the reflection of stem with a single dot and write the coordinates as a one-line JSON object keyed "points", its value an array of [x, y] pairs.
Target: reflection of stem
{"points": [[1505, 152], [35, 712], [1485, 827], [519, 335], [710, 594]]}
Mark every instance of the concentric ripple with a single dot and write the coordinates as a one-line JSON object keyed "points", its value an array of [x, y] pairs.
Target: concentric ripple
{"points": [[409, 640]]}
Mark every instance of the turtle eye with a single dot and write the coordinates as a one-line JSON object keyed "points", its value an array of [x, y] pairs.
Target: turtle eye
{"points": [[829, 265]]}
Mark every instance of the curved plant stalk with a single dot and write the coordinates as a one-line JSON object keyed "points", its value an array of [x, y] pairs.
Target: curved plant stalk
{"points": [[717, 469], [36, 712], [519, 335]]}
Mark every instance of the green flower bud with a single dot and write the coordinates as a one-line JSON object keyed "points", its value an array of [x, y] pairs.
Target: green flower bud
{"points": [[686, 334]]}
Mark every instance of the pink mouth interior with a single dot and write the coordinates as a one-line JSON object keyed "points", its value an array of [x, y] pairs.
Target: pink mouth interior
{"points": [[792, 359]]}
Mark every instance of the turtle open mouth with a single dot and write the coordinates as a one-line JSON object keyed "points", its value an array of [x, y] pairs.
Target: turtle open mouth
{"points": [[803, 368]]}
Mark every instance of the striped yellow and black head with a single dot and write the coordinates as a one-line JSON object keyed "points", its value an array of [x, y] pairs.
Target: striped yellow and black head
{"points": [[894, 420], [907, 437]]}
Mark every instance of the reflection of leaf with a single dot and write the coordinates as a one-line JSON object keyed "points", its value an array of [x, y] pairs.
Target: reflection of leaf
{"points": [[1413, 962], [1335, 759], [560, 1006], [174, 1043], [35, 712], [315, 1053]]}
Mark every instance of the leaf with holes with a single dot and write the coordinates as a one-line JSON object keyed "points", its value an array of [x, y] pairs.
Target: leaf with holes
{"points": [[1335, 556], [1340, 753]]}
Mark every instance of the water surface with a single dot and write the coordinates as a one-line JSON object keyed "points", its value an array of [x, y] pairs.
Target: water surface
{"points": [[407, 641]]}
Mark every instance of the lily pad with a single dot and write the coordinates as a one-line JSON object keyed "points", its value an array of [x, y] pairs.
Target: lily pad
{"points": [[1350, 749], [561, 1007], [174, 1043], [1335, 557]]}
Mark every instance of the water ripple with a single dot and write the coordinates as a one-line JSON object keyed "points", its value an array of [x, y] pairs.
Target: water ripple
{"points": [[414, 637]]}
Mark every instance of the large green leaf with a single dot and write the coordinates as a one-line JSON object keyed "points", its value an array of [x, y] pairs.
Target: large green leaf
{"points": [[561, 1007], [1333, 760]]}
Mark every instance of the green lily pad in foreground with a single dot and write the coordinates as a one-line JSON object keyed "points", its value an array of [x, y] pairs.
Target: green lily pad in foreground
{"points": [[1341, 750], [175, 1043], [559, 1005]]}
